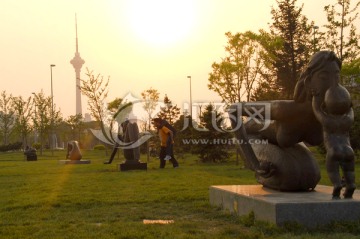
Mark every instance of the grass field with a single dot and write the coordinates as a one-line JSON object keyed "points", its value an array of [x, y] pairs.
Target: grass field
{"points": [[44, 199]]}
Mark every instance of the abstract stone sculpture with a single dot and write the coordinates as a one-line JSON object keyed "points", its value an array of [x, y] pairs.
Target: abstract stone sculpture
{"points": [[285, 163], [73, 151], [131, 147], [131, 135]]}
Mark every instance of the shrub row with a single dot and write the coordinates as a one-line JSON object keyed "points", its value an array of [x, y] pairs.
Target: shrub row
{"points": [[11, 147]]}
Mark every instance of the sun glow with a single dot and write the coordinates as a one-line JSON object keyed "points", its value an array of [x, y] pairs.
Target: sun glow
{"points": [[161, 22]]}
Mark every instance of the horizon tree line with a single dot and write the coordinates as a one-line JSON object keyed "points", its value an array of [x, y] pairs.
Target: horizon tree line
{"points": [[256, 66]]}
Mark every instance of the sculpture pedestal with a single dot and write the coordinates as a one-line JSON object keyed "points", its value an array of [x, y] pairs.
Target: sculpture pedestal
{"points": [[306, 208], [132, 166], [67, 161], [31, 158]]}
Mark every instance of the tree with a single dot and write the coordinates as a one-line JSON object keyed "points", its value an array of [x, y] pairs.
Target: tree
{"points": [[113, 106], [43, 118], [150, 101], [169, 112], [350, 77], [7, 117], [266, 87], [234, 77], [355, 129], [95, 89], [184, 134], [76, 123], [212, 144], [23, 113], [293, 28], [267, 90], [340, 17], [120, 111]]}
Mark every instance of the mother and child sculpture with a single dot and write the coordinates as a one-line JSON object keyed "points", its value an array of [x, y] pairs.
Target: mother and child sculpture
{"points": [[321, 112]]}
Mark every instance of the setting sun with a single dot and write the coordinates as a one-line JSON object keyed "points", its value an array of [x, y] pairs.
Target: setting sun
{"points": [[161, 22]]}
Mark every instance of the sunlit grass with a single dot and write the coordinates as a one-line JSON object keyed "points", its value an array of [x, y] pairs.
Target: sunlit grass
{"points": [[45, 199]]}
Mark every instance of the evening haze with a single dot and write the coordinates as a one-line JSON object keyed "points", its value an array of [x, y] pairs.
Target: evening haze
{"points": [[139, 45]]}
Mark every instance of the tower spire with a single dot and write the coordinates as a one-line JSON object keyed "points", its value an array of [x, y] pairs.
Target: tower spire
{"points": [[77, 48], [77, 63]]}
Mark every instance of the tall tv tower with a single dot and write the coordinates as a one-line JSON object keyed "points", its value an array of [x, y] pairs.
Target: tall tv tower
{"points": [[77, 63]]}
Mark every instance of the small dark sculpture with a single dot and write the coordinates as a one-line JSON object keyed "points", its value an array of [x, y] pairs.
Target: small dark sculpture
{"points": [[336, 116], [285, 163], [30, 154], [73, 151], [130, 134]]}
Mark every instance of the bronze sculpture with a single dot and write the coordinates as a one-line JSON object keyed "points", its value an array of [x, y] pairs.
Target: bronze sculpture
{"points": [[73, 151], [285, 163], [336, 116]]}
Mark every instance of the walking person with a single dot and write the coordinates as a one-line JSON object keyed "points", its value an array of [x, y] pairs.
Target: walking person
{"points": [[166, 136]]}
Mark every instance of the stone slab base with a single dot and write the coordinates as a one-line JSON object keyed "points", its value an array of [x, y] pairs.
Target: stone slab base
{"points": [[128, 166], [306, 208], [67, 161], [31, 158]]}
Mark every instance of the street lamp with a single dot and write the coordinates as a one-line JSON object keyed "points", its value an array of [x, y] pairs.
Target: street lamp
{"points": [[315, 28], [35, 131], [52, 112], [190, 98]]}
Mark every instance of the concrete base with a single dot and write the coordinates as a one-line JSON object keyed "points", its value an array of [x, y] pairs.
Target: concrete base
{"points": [[131, 166], [309, 209], [67, 161], [31, 158]]}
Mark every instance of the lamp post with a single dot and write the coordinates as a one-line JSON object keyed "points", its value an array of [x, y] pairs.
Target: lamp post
{"points": [[35, 131], [52, 112], [190, 98], [315, 28]]}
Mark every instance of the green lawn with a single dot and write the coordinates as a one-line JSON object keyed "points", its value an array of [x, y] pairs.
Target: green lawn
{"points": [[44, 199]]}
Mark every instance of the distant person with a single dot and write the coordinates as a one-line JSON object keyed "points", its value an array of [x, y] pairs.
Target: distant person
{"points": [[170, 140], [336, 116], [166, 133]]}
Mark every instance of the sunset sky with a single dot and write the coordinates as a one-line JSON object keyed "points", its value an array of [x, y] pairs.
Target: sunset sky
{"points": [[138, 44]]}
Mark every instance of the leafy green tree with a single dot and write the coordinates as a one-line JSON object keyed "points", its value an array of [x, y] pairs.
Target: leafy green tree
{"points": [[184, 133], [351, 80], [169, 112], [294, 29], [352, 69], [23, 112], [95, 89], [113, 106], [150, 101], [266, 87], [211, 145], [7, 116], [355, 129], [234, 78], [341, 16], [120, 111], [76, 123], [266, 90], [44, 117]]}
